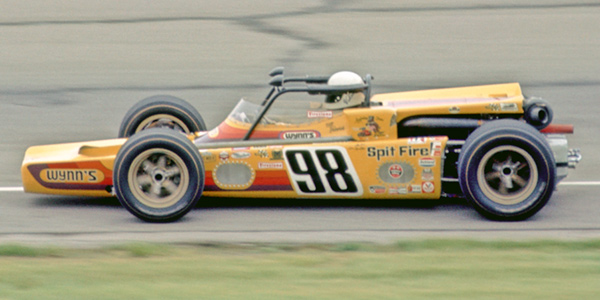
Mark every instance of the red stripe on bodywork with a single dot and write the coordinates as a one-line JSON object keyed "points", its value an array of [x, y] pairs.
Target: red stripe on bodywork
{"points": [[263, 181], [271, 178]]}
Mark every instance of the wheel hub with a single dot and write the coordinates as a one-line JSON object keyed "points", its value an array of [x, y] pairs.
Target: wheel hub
{"points": [[507, 172], [159, 176]]}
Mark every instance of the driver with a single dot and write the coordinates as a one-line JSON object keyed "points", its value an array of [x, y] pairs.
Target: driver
{"points": [[347, 99]]}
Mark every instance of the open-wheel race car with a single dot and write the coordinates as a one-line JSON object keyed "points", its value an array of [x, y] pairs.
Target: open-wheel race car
{"points": [[487, 143]]}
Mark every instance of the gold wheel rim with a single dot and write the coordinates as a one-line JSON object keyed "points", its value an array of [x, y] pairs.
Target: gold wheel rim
{"points": [[507, 175], [162, 121], [158, 178]]}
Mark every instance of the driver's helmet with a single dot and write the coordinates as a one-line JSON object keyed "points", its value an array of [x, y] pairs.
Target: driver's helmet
{"points": [[347, 99]]}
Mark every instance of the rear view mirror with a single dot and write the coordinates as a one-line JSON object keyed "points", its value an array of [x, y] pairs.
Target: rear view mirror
{"points": [[276, 71], [276, 81]]}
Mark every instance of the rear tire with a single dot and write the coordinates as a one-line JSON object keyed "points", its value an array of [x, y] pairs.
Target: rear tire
{"points": [[158, 175], [161, 112], [506, 170]]}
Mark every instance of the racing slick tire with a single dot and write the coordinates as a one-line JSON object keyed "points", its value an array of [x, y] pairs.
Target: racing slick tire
{"points": [[158, 175], [506, 170], [161, 111]]}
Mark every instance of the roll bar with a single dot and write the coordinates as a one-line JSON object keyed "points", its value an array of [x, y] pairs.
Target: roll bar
{"points": [[315, 85]]}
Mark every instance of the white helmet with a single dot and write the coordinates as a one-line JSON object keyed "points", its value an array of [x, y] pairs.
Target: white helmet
{"points": [[348, 99]]}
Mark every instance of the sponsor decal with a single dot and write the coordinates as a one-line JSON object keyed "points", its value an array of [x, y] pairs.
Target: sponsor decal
{"points": [[89, 175], [240, 155], [509, 107], [413, 151], [414, 188], [395, 172], [295, 135], [379, 153], [390, 151], [332, 128], [362, 132], [277, 154], [427, 174], [436, 148], [371, 127], [493, 107], [208, 156], [270, 165], [262, 153], [377, 189], [398, 190], [357, 147], [417, 140], [427, 187], [427, 162], [454, 110], [311, 114], [224, 155], [71, 175]]}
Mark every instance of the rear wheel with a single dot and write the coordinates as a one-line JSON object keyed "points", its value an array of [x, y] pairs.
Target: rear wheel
{"points": [[161, 112], [158, 175], [506, 170]]}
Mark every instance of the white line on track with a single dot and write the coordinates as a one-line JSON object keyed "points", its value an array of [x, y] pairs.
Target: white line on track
{"points": [[566, 183], [11, 189], [580, 183]]}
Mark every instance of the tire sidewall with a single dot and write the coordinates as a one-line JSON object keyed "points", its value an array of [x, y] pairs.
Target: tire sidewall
{"points": [[158, 139], [506, 133]]}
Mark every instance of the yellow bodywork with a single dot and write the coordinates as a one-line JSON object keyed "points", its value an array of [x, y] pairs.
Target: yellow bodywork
{"points": [[366, 159], [70, 169], [485, 99]]}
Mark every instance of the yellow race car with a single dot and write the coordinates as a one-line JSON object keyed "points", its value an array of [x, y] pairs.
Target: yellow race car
{"points": [[330, 139]]}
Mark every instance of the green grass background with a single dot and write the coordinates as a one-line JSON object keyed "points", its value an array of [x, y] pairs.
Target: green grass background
{"points": [[427, 269]]}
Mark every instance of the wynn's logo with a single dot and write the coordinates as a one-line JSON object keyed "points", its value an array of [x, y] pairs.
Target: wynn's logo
{"points": [[71, 175], [299, 135]]}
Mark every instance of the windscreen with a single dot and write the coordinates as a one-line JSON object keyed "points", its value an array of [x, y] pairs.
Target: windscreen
{"points": [[282, 112]]}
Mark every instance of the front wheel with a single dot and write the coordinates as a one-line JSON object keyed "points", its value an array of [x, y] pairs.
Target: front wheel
{"points": [[161, 112], [158, 175], [506, 170]]}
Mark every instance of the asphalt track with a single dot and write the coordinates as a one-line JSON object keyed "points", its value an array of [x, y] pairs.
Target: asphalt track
{"points": [[70, 70]]}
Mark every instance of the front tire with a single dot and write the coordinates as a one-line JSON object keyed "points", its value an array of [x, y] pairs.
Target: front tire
{"points": [[506, 170], [161, 112], [158, 175]]}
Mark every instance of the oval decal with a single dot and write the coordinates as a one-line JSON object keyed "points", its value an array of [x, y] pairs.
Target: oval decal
{"points": [[396, 172], [234, 176]]}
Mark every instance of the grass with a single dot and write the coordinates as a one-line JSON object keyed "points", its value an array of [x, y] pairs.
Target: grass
{"points": [[428, 269]]}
